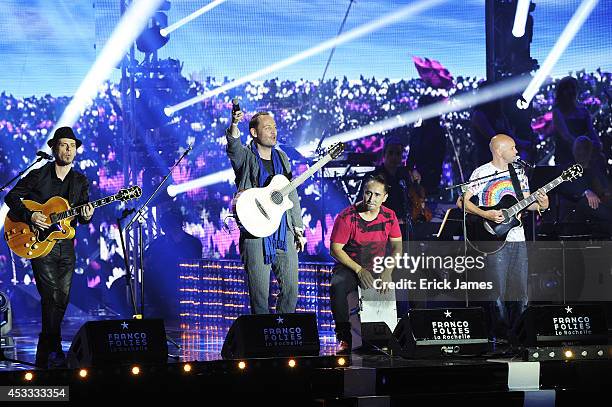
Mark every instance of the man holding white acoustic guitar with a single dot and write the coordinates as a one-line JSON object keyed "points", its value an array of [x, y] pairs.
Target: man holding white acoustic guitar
{"points": [[53, 272], [254, 164]]}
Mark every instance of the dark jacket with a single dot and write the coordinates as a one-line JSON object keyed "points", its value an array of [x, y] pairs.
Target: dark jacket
{"points": [[33, 187]]}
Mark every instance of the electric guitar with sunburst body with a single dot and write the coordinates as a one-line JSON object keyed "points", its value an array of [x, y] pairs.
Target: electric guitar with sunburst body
{"points": [[30, 242]]}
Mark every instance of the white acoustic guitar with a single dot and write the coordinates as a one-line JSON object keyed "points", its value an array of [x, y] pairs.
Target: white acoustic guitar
{"points": [[260, 210]]}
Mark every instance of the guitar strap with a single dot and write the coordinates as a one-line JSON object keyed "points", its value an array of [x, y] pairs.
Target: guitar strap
{"points": [[515, 182]]}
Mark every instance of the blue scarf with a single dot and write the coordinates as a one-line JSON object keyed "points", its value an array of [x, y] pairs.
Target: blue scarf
{"points": [[276, 240]]}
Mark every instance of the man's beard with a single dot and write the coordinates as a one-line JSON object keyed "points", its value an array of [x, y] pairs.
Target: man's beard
{"points": [[59, 161]]}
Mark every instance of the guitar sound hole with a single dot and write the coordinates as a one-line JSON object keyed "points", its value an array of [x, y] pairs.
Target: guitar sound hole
{"points": [[277, 197]]}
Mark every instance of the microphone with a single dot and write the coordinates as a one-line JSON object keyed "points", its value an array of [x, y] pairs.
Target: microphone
{"points": [[235, 105], [187, 150], [44, 155], [522, 163]]}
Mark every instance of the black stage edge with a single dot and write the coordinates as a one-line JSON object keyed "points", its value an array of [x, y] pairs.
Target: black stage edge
{"points": [[321, 381]]}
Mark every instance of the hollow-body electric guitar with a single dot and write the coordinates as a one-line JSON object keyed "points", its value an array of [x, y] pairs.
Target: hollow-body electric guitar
{"points": [[30, 242]]}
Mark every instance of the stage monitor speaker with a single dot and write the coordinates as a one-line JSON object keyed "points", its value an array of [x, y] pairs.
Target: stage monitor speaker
{"points": [[377, 335], [562, 325], [118, 342], [272, 335], [425, 333]]}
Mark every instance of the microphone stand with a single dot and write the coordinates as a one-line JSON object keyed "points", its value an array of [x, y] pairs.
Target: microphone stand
{"points": [[139, 217], [128, 276], [477, 179]]}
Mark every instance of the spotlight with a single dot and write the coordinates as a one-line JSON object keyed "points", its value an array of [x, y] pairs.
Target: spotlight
{"points": [[83, 373], [29, 376], [242, 365], [151, 40], [568, 354], [187, 368], [135, 370], [292, 363], [341, 362], [521, 103]]}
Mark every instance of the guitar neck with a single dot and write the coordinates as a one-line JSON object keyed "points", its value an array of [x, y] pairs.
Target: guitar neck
{"points": [[296, 182], [520, 206], [72, 212]]}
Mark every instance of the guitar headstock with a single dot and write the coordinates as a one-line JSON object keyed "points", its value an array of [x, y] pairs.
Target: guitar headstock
{"points": [[572, 173], [335, 150], [129, 193]]}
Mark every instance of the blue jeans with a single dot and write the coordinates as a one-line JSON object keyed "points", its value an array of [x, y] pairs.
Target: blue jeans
{"points": [[285, 267], [507, 269]]}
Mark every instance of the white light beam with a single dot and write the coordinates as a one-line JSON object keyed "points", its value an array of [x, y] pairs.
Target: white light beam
{"points": [[385, 21], [192, 16], [520, 18], [566, 37], [462, 102], [129, 28]]}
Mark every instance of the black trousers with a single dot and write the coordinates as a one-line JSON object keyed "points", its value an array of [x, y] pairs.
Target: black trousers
{"points": [[343, 282], [53, 274]]}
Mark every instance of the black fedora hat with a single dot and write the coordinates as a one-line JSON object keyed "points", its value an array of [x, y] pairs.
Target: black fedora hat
{"points": [[63, 132]]}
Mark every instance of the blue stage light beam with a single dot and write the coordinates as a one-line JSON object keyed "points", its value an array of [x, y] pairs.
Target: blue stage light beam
{"points": [[166, 31], [134, 21], [566, 37], [385, 21]]}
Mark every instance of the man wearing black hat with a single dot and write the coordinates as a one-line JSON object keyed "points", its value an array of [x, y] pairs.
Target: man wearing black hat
{"points": [[53, 272]]}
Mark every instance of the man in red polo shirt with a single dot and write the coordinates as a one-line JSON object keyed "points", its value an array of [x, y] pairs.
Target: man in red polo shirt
{"points": [[361, 232]]}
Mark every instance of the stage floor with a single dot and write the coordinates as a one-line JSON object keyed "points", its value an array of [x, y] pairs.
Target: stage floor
{"points": [[379, 379]]}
